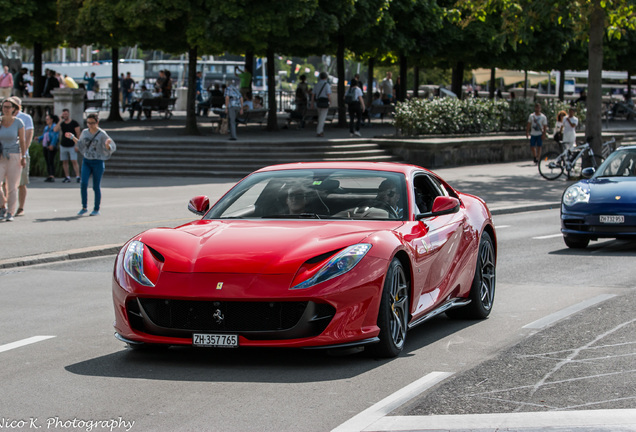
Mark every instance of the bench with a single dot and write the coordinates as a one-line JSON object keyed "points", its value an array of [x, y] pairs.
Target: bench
{"points": [[311, 115], [257, 116], [381, 110], [93, 106], [159, 104]]}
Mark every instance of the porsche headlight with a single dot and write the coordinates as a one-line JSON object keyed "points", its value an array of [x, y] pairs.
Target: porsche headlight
{"points": [[576, 194], [134, 263], [343, 262]]}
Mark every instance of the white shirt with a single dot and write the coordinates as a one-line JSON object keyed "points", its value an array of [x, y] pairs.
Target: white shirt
{"points": [[537, 123], [569, 130]]}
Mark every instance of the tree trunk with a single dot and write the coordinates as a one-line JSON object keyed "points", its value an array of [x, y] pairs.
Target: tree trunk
{"points": [[594, 101], [401, 97], [114, 94], [249, 64], [38, 79], [458, 79], [629, 83], [493, 83], [272, 119], [416, 82], [340, 67], [562, 83], [191, 127], [525, 84], [371, 65]]}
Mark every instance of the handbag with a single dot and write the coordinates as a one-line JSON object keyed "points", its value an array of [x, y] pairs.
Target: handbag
{"points": [[322, 102], [558, 136], [224, 127]]}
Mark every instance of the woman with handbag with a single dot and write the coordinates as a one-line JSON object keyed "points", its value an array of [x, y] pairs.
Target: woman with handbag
{"points": [[13, 150], [96, 147], [320, 98]]}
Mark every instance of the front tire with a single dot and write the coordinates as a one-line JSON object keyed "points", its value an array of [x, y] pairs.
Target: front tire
{"points": [[482, 291], [550, 165], [393, 316], [575, 242]]}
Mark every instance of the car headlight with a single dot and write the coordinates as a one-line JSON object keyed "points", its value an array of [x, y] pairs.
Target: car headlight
{"points": [[134, 263], [341, 263], [576, 194]]}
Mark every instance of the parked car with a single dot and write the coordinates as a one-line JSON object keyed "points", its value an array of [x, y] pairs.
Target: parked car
{"points": [[604, 204], [310, 255]]}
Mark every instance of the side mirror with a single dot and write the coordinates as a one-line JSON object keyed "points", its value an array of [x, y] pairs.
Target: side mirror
{"points": [[199, 205], [441, 206], [588, 172]]}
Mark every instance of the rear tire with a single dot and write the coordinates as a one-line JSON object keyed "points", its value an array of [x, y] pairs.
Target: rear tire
{"points": [[575, 242], [482, 291], [550, 167], [393, 316]]}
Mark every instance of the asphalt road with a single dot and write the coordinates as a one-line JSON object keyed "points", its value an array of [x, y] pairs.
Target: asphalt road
{"points": [[508, 364]]}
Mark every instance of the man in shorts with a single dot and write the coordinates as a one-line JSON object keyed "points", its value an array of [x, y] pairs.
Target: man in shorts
{"points": [[536, 131], [28, 137], [67, 146]]}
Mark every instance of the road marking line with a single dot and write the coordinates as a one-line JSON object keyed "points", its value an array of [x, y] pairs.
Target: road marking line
{"points": [[507, 421], [501, 226], [564, 313], [547, 236], [23, 342], [388, 404]]}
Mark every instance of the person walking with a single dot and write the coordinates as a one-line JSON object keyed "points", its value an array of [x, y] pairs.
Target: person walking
{"points": [[67, 146], [12, 158], [50, 141], [320, 99], [6, 83], [386, 88], [96, 147], [569, 128], [128, 89], [355, 102], [233, 105], [28, 137], [536, 131]]}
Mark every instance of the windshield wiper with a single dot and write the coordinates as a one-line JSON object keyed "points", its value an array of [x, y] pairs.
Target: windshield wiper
{"points": [[295, 216]]}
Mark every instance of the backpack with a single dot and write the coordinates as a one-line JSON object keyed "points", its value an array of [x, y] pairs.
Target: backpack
{"points": [[350, 96]]}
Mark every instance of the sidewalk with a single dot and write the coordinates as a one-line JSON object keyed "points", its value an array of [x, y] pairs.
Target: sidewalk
{"points": [[50, 230]]}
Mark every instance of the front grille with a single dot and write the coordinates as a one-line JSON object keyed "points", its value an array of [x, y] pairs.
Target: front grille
{"points": [[575, 224], [254, 320]]}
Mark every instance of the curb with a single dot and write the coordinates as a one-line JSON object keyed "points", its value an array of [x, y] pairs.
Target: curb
{"points": [[113, 249], [52, 257]]}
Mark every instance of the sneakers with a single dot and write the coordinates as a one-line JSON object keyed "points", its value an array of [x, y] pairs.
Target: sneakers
{"points": [[49, 180], [94, 213], [8, 217], [3, 211], [77, 179], [82, 212], [19, 212], [357, 133], [66, 180]]}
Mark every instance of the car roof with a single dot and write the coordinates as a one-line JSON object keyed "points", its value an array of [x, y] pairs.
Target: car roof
{"points": [[405, 169]]}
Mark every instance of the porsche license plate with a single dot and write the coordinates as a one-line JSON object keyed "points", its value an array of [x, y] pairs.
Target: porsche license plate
{"points": [[612, 219], [215, 340]]}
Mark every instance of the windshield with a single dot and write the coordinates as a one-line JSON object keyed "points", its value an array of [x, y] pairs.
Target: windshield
{"points": [[317, 194], [621, 163]]}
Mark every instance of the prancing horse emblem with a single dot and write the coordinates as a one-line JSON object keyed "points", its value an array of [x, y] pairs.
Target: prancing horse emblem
{"points": [[218, 316]]}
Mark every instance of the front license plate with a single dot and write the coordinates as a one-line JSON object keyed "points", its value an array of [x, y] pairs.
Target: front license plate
{"points": [[215, 340], [612, 219]]}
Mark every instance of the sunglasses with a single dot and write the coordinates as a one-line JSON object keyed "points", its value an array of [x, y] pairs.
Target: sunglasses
{"points": [[390, 193], [297, 196], [91, 123]]}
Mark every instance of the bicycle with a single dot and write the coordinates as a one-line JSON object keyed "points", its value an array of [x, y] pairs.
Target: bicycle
{"points": [[552, 164]]}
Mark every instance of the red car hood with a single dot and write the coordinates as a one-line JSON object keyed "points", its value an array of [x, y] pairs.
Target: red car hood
{"points": [[254, 247]]}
